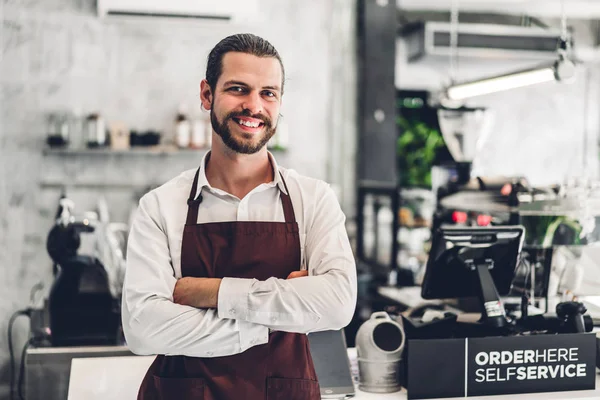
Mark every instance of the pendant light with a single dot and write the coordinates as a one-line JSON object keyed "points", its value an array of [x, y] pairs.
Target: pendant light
{"points": [[562, 70]]}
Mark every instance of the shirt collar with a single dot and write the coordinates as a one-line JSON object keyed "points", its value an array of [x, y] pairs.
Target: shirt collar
{"points": [[203, 182]]}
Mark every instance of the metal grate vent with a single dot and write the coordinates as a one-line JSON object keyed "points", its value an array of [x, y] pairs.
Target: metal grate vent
{"points": [[480, 40]]}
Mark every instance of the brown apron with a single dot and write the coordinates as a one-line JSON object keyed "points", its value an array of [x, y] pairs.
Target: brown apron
{"points": [[283, 368]]}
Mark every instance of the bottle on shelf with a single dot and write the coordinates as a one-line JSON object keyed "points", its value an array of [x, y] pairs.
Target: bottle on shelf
{"points": [[182, 128], [198, 137], [95, 131]]}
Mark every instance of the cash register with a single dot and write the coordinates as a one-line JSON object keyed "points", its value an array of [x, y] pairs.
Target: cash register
{"points": [[480, 263]]}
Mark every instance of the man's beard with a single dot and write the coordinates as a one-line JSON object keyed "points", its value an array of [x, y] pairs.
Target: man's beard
{"points": [[239, 146]]}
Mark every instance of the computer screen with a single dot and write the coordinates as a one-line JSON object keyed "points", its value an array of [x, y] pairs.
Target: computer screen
{"points": [[455, 253]]}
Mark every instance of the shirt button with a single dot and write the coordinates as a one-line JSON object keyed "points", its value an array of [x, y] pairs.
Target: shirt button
{"points": [[273, 319], [231, 311], [209, 353], [253, 341]]}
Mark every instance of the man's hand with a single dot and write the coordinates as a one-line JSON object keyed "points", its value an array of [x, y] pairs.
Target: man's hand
{"points": [[297, 274], [197, 292]]}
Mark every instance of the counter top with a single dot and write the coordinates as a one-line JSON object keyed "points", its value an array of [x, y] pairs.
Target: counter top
{"points": [[118, 378], [572, 395]]}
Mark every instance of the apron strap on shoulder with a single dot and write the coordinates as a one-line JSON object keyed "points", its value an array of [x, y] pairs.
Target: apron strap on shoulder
{"points": [[286, 202], [193, 204]]}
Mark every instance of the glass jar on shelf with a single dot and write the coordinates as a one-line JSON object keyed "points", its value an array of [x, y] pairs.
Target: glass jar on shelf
{"points": [[57, 130], [95, 131]]}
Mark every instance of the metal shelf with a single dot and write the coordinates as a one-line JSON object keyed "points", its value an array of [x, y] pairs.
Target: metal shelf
{"points": [[150, 150], [125, 186], [136, 151]]}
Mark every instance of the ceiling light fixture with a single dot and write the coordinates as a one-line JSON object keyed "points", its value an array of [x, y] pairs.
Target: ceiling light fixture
{"points": [[562, 70]]}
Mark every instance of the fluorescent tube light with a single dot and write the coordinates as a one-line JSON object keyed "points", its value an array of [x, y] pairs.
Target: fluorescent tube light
{"points": [[500, 83]]}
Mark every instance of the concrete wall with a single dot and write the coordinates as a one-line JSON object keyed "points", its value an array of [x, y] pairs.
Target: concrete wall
{"points": [[58, 55]]}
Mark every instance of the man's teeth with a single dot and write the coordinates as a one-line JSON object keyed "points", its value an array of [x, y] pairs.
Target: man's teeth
{"points": [[248, 123]]}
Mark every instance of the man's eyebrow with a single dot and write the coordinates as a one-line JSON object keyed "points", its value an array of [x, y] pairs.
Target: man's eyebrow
{"points": [[239, 83], [276, 88]]}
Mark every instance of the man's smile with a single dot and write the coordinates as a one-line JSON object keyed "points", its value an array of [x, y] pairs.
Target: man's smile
{"points": [[248, 124]]}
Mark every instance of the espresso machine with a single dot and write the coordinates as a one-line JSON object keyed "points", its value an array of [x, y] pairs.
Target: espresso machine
{"points": [[84, 300]]}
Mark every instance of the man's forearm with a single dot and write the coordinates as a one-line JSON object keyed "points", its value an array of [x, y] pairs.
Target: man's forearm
{"points": [[204, 292], [298, 305], [197, 292]]}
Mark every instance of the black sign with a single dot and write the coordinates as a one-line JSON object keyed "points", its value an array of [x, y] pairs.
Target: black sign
{"points": [[436, 368], [500, 365]]}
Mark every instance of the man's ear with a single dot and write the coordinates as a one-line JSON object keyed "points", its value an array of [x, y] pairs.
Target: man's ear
{"points": [[206, 94]]}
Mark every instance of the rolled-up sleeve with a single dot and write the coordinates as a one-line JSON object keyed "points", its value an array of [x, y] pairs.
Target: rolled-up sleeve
{"points": [[152, 322], [324, 300]]}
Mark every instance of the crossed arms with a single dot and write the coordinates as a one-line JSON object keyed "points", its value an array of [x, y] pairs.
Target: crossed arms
{"points": [[206, 317]]}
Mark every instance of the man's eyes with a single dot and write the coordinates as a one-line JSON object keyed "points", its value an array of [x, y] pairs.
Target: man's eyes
{"points": [[242, 90]]}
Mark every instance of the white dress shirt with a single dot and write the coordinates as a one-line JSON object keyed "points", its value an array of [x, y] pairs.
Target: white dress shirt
{"points": [[247, 308]]}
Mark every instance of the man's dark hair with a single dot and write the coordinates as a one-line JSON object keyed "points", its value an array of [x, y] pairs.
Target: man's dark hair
{"points": [[243, 43]]}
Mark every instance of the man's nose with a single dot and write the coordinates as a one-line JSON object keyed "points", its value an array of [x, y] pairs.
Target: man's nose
{"points": [[253, 103]]}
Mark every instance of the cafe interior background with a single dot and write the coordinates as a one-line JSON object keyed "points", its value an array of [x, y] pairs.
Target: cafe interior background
{"points": [[99, 106]]}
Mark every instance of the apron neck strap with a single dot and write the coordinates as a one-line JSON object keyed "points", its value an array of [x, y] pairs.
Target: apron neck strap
{"points": [[194, 204], [286, 202]]}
